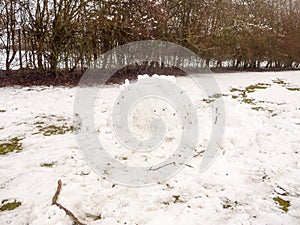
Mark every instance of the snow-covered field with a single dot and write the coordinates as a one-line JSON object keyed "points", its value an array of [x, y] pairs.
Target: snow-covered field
{"points": [[254, 180]]}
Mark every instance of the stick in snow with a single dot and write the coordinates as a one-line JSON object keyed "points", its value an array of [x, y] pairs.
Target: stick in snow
{"points": [[68, 212]]}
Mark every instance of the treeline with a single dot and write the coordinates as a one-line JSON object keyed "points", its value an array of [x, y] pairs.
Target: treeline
{"points": [[55, 35]]}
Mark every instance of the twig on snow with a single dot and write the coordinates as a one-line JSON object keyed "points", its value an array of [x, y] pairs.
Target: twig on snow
{"points": [[68, 212]]}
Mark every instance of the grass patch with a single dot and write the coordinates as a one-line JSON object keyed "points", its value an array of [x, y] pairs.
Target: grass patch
{"points": [[59, 127], [43, 116], [250, 101], [213, 98], [93, 217], [56, 130], [10, 146], [284, 204], [39, 123], [47, 164], [242, 94], [98, 217], [293, 88], [177, 199], [286, 85], [259, 108], [9, 205], [259, 86], [279, 81], [229, 204], [208, 101]]}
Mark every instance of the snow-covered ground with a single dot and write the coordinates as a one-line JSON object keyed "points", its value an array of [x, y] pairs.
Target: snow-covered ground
{"points": [[254, 180]]}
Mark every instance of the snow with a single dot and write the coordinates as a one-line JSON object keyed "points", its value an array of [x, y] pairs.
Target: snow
{"points": [[258, 160]]}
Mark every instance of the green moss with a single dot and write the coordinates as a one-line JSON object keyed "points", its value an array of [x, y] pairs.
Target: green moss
{"points": [[10, 205], [10, 146], [284, 204]]}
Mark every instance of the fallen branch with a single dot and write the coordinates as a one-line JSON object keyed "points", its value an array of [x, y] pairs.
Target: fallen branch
{"points": [[55, 197], [160, 167], [68, 212], [199, 154]]}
